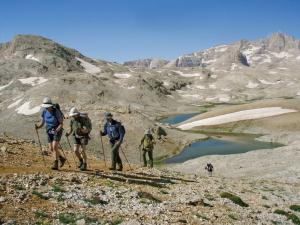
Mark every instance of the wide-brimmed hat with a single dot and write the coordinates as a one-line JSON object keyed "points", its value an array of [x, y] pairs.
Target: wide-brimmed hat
{"points": [[74, 112], [147, 131], [47, 103]]}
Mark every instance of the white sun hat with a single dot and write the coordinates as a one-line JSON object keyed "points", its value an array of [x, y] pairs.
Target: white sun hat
{"points": [[147, 131], [47, 103], [74, 112]]}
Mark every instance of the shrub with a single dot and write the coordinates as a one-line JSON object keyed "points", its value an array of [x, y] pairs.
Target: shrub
{"points": [[235, 199]]}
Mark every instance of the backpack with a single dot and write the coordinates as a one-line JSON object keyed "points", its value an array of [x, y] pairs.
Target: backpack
{"points": [[86, 121], [57, 107], [148, 142], [122, 128]]}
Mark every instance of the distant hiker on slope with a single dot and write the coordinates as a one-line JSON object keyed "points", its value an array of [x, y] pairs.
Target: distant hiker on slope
{"points": [[80, 128], [53, 118], [147, 144], [115, 132], [209, 167]]}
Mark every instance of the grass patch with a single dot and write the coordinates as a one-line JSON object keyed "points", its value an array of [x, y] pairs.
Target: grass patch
{"points": [[295, 208], [201, 216], [41, 214], [67, 218], [232, 216], [234, 198], [144, 195], [117, 221], [40, 195], [288, 215], [264, 197], [96, 201], [19, 187], [58, 188]]}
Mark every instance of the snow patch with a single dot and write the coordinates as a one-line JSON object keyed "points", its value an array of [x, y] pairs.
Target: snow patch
{"points": [[281, 55], [226, 89], [122, 75], [282, 68], [201, 87], [5, 86], [237, 116], [33, 81], [26, 110], [233, 66], [272, 72], [15, 103], [251, 85], [131, 87], [214, 76], [88, 67], [212, 86], [31, 57], [187, 74], [221, 48], [266, 82], [195, 96], [298, 57]]}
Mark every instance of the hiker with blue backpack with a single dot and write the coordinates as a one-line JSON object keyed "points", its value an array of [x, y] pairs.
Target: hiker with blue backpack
{"points": [[80, 128], [115, 132], [53, 118]]}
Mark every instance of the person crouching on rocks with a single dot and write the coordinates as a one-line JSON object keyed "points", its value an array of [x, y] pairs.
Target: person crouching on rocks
{"points": [[115, 132], [80, 128], [53, 118], [147, 144]]}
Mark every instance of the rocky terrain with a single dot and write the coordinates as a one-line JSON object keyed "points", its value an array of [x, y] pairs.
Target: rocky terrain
{"points": [[244, 87], [32, 194]]}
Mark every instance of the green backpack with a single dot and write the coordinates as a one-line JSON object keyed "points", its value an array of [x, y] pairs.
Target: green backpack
{"points": [[148, 142]]}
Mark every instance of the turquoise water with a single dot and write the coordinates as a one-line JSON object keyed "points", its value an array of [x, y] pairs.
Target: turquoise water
{"points": [[178, 118], [220, 147]]}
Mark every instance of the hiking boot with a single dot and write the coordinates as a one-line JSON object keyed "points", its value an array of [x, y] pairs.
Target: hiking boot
{"points": [[62, 161], [112, 168], [120, 168], [83, 167], [55, 165], [80, 163]]}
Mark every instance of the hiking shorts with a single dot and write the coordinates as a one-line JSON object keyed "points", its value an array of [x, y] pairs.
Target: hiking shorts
{"points": [[54, 137], [81, 141]]}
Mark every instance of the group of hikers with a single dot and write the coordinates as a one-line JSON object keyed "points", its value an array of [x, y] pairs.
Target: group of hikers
{"points": [[80, 128]]}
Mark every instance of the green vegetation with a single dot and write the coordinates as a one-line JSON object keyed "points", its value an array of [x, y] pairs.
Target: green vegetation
{"points": [[235, 199], [117, 221], [290, 216], [202, 216], [57, 188], [232, 216], [264, 197], [67, 218], [19, 187], [295, 208], [96, 201], [41, 214], [147, 196], [40, 195]]}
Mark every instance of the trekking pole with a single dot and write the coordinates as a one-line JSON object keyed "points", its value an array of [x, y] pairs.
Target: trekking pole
{"points": [[103, 150], [64, 154], [41, 149], [125, 158], [72, 153], [140, 155]]}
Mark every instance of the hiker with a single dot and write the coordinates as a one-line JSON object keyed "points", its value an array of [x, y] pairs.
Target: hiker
{"points": [[80, 128], [53, 118], [115, 132], [147, 144], [209, 167]]}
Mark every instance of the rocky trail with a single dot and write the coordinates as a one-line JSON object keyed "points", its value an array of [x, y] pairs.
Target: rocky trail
{"points": [[33, 194]]}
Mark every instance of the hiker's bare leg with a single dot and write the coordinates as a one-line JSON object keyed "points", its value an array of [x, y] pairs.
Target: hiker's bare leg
{"points": [[50, 147], [76, 150], [83, 148], [55, 149]]}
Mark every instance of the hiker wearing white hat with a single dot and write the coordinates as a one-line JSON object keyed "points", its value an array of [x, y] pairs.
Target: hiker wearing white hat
{"points": [[52, 117], [80, 128]]}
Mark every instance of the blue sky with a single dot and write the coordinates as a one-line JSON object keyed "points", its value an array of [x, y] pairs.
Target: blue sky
{"points": [[120, 30]]}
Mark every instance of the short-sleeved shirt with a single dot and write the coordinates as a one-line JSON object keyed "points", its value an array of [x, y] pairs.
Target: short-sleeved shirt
{"points": [[51, 118], [77, 123]]}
